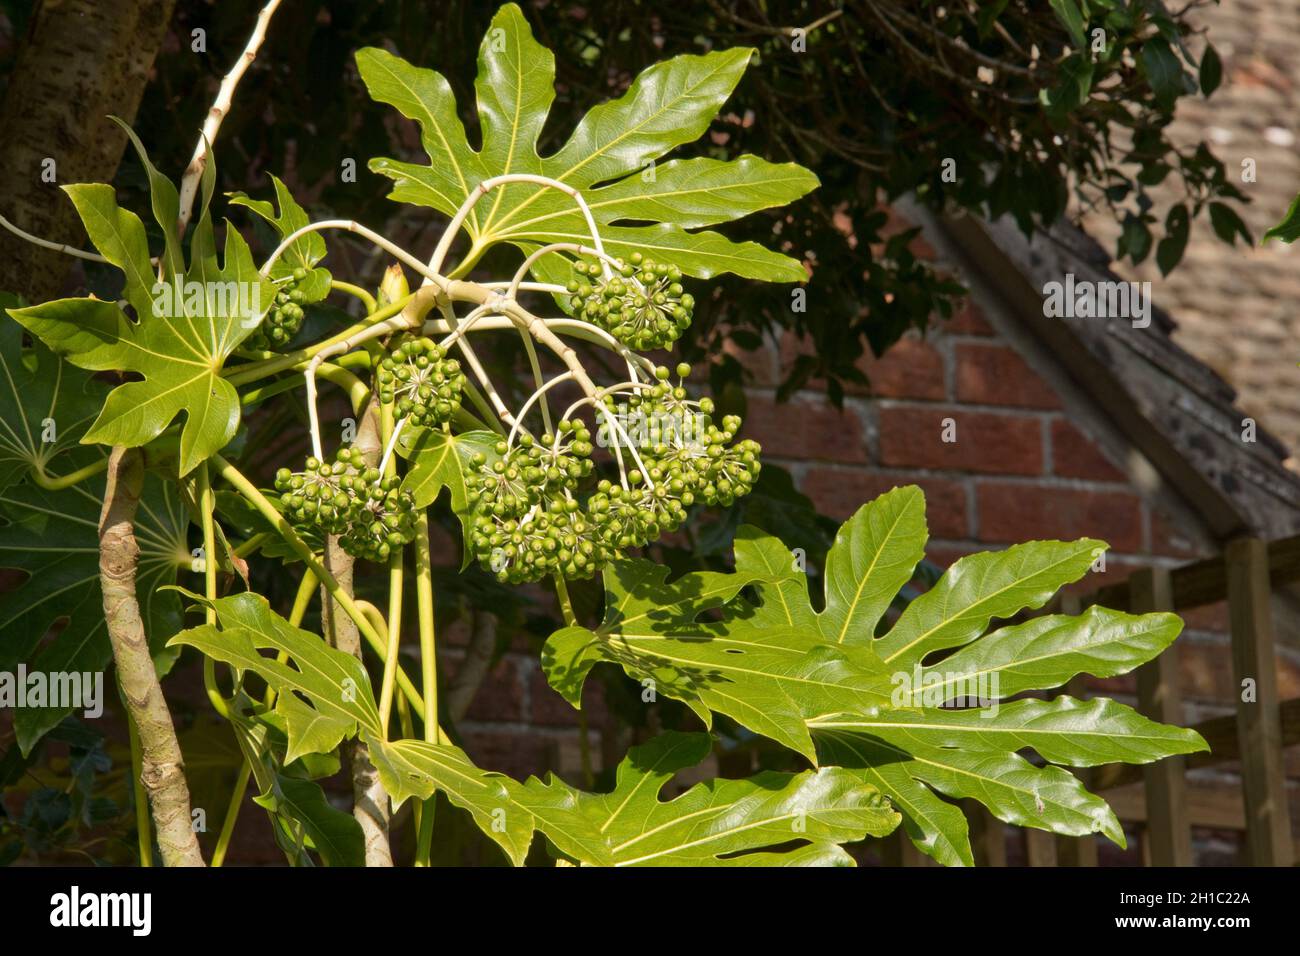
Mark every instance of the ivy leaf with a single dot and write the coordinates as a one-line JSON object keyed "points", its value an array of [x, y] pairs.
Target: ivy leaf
{"points": [[1163, 71], [1169, 250], [53, 536], [609, 157], [1227, 224], [1067, 12], [304, 252], [183, 330], [783, 669], [712, 822], [1211, 70]]}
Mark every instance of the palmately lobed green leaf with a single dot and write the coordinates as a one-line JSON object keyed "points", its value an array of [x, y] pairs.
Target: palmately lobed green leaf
{"points": [[184, 327], [414, 768], [45, 406], [335, 683], [918, 726], [305, 251], [610, 157], [716, 823]]}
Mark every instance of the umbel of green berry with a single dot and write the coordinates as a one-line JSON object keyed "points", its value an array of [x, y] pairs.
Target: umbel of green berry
{"points": [[371, 514], [425, 385], [641, 303], [533, 513], [285, 317]]}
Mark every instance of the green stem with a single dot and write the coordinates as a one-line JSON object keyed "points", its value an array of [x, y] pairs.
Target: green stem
{"points": [[252, 544], [142, 823], [358, 391], [258, 500], [366, 298], [584, 745], [67, 481], [232, 813], [428, 638], [207, 503], [391, 654], [253, 371], [395, 573], [566, 603], [424, 835], [429, 672]]}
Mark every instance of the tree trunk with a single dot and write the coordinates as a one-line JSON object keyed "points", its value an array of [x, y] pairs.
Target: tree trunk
{"points": [[80, 61], [162, 769], [370, 803]]}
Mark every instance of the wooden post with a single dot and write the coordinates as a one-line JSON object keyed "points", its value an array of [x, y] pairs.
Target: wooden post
{"points": [[898, 850], [1259, 726], [1075, 851], [1040, 848], [988, 835], [1169, 830]]}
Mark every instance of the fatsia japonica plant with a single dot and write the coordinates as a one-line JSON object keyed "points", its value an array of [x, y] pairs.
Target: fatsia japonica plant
{"points": [[888, 714]]}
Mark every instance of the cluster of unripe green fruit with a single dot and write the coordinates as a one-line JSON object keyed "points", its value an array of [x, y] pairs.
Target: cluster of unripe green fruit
{"points": [[285, 316], [641, 302], [423, 384], [370, 513], [531, 517]]}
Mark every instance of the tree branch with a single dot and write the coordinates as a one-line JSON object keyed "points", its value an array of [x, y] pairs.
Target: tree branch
{"points": [[162, 767]]}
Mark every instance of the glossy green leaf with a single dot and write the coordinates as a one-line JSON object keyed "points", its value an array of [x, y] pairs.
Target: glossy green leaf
{"points": [[1014, 790], [183, 329], [325, 695], [304, 252], [768, 677], [413, 768], [781, 668], [440, 460], [610, 157], [1068, 13], [335, 683], [1211, 70], [981, 587], [1288, 230], [717, 823], [874, 555], [1062, 730], [1163, 71], [45, 407], [1047, 651]]}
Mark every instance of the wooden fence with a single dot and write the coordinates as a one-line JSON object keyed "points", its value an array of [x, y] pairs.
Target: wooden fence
{"points": [[1253, 738]]}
